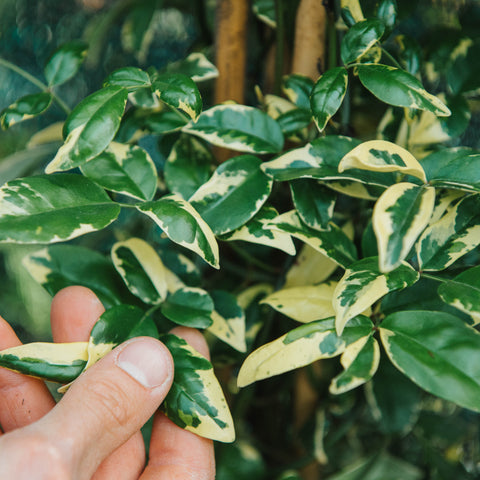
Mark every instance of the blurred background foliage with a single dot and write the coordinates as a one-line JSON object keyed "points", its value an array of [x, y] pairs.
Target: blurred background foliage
{"points": [[278, 435]]}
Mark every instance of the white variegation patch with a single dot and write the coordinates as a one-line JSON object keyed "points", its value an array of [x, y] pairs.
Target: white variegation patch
{"points": [[304, 304], [33, 263], [62, 161], [278, 357], [354, 8], [382, 156], [229, 330]]}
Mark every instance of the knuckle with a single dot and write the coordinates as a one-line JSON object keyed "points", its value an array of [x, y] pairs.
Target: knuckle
{"points": [[110, 403]]}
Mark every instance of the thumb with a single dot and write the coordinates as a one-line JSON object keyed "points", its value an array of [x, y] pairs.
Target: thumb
{"points": [[108, 403]]}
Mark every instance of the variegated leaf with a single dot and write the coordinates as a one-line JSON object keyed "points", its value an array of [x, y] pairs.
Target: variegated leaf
{"points": [[320, 159], [196, 66], [438, 352], [304, 304], [400, 215], [264, 10], [90, 128], [195, 401], [142, 269], [115, 326], [183, 225], [360, 361], [238, 127], [454, 168], [333, 242], [256, 231], [454, 235], [25, 108], [382, 156], [125, 169], [179, 91], [53, 208], [234, 194], [314, 202], [463, 292], [57, 362], [299, 347], [189, 306], [327, 95], [310, 267], [228, 320], [352, 11], [298, 89], [363, 284], [360, 38], [188, 166], [65, 62], [59, 266], [397, 87]]}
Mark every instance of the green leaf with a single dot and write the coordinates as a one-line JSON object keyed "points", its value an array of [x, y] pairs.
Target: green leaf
{"points": [[453, 168], [382, 156], [188, 306], [228, 320], [298, 89], [195, 401], [299, 347], [129, 77], [314, 203], [333, 242], [256, 231], [379, 466], [179, 91], [394, 400], [363, 284], [397, 87], [142, 269], [25, 108], [360, 361], [264, 10], [327, 95], [53, 208], [294, 121], [360, 38], [234, 194], [65, 62], [304, 304], [238, 127], [115, 326], [463, 72], [125, 169], [400, 215], [196, 66], [463, 292], [59, 266], [240, 460], [438, 352], [90, 128], [57, 362], [183, 225], [188, 166], [164, 122], [454, 235]]}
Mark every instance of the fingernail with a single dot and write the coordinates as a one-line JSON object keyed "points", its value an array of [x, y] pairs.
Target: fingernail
{"points": [[146, 360]]}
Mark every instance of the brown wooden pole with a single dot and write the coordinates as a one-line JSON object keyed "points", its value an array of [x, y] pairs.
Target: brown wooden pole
{"points": [[310, 34]]}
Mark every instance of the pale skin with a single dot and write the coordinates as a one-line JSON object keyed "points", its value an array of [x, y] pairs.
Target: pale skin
{"points": [[94, 431]]}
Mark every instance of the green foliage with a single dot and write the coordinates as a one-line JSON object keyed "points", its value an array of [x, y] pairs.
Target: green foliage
{"points": [[385, 221]]}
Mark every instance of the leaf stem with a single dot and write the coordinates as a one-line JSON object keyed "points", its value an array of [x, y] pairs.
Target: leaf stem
{"points": [[390, 57], [253, 260], [20, 71], [433, 277]]}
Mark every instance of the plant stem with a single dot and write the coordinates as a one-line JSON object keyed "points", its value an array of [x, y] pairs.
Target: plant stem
{"points": [[433, 277], [253, 260], [390, 57], [34, 81]]}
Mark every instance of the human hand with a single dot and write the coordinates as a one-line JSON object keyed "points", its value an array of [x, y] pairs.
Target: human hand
{"points": [[94, 431]]}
